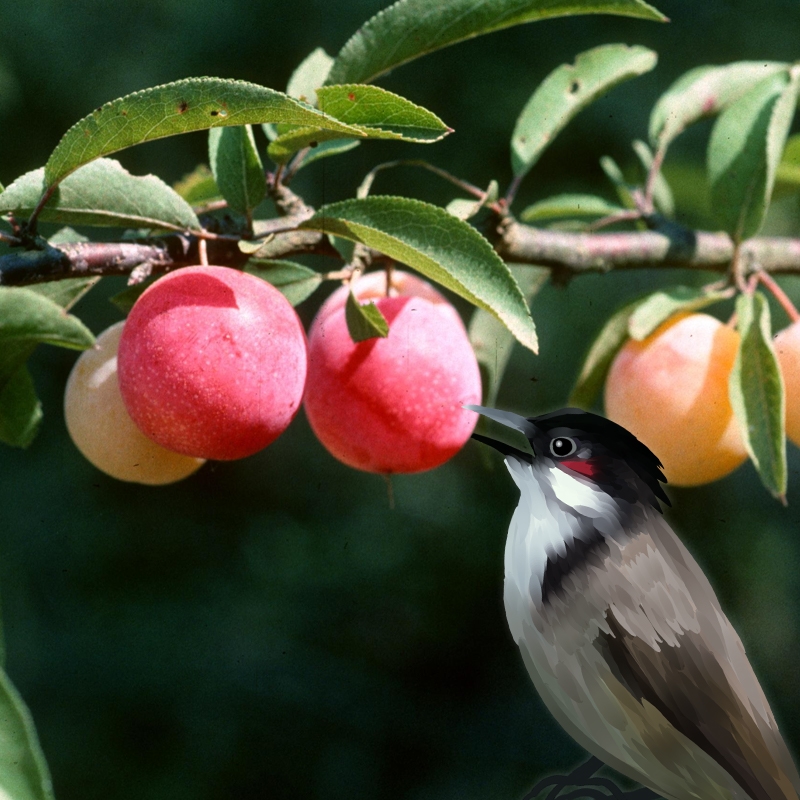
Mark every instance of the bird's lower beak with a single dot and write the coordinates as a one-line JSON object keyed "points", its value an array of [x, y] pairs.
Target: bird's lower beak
{"points": [[508, 419]]}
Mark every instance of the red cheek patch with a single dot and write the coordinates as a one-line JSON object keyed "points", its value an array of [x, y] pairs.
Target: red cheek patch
{"points": [[586, 468]]}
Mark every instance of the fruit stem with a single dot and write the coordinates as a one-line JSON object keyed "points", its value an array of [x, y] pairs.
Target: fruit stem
{"points": [[389, 270], [781, 296], [202, 252]]}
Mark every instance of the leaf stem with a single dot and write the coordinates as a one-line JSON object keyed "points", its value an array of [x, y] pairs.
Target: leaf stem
{"points": [[46, 195], [513, 188], [466, 186], [781, 296], [628, 215], [652, 176]]}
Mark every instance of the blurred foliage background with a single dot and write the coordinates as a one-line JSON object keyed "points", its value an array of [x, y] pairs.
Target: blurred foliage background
{"points": [[270, 628]]}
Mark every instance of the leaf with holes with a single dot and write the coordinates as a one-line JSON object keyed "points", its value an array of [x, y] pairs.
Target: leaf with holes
{"points": [[702, 92], [441, 247], [374, 112], [409, 29], [283, 147], [492, 341], [326, 149], [102, 193], [660, 306], [381, 114], [188, 105], [237, 167], [566, 91], [744, 151], [295, 282], [364, 321], [757, 393], [570, 205]]}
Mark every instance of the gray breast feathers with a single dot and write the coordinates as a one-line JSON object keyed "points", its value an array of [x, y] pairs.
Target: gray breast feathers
{"points": [[636, 659]]}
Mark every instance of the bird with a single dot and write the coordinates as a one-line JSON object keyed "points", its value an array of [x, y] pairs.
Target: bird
{"points": [[620, 630]]}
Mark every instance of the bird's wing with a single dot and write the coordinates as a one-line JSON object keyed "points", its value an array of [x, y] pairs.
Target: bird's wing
{"points": [[677, 650]]}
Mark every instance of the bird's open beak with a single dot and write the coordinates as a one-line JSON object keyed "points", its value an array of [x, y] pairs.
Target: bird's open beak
{"points": [[510, 420]]}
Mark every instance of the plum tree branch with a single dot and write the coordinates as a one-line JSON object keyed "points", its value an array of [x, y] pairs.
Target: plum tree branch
{"points": [[672, 246], [567, 253]]}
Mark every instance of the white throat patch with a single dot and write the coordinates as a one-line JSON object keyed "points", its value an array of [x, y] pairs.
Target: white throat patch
{"points": [[552, 513]]}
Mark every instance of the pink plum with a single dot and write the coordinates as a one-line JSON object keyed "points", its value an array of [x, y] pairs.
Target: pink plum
{"points": [[394, 404], [212, 363]]}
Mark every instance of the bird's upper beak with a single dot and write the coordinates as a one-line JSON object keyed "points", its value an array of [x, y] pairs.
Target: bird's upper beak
{"points": [[510, 420]]}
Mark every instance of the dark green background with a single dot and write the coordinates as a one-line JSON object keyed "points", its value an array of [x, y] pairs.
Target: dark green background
{"points": [[270, 628]]}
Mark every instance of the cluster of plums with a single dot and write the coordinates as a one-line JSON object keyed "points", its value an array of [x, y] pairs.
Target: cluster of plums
{"points": [[213, 363]]}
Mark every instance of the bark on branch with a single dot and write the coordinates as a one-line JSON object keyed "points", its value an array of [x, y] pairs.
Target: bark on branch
{"points": [[566, 252], [671, 247]]}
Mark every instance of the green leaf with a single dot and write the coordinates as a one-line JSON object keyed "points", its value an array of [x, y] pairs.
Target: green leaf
{"points": [[492, 341], [188, 105], [283, 147], [566, 91], [67, 235], [309, 76], [294, 281], [374, 112], [23, 770], [614, 174], [346, 248], [702, 92], [757, 393], [28, 316], [788, 172], [237, 167], [380, 114], [102, 193], [198, 187], [662, 194], [745, 148], [66, 292], [605, 347], [364, 322], [333, 148], [409, 29], [438, 245], [20, 413], [467, 209], [569, 205], [125, 299], [660, 306]]}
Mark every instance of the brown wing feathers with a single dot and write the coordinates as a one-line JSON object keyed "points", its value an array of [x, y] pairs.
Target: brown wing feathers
{"points": [[701, 693]]}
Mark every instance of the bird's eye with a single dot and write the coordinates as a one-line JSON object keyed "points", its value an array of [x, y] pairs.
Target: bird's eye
{"points": [[563, 446]]}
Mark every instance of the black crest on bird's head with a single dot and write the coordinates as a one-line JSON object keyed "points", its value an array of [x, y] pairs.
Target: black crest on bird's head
{"points": [[615, 453]]}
